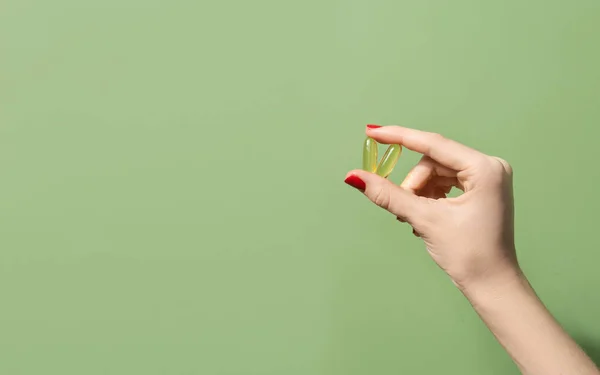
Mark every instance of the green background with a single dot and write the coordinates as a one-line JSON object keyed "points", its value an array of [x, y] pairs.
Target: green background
{"points": [[172, 196]]}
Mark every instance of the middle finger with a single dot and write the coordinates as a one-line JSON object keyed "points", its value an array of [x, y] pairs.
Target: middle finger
{"points": [[421, 173]]}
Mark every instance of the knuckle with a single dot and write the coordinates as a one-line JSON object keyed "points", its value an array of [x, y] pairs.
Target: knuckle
{"points": [[382, 197], [436, 137], [502, 166], [499, 170], [506, 165], [427, 214]]}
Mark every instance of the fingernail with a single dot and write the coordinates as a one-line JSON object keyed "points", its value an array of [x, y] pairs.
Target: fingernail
{"points": [[355, 182], [373, 126]]}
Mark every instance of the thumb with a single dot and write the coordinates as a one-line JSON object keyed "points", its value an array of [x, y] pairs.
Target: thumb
{"points": [[386, 194]]}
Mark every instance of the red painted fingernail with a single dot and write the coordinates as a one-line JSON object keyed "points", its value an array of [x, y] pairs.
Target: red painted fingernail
{"points": [[355, 182], [373, 126]]}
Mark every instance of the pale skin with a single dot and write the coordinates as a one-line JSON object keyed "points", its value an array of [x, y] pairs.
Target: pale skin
{"points": [[471, 238]]}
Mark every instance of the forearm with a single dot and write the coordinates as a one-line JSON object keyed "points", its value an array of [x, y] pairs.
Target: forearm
{"points": [[526, 329]]}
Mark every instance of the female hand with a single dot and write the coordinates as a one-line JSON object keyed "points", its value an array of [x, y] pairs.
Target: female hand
{"points": [[470, 236]]}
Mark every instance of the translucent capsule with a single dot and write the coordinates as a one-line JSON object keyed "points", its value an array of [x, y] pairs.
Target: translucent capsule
{"points": [[370, 155], [389, 160]]}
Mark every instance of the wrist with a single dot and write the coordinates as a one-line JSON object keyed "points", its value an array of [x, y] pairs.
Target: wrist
{"points": [[501, 284]]}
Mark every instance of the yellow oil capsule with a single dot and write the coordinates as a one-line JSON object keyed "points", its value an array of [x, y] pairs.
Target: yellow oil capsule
{"points": [[389, 160], [370, 155]]}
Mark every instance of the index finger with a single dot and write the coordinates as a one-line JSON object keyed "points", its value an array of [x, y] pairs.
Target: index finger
{"points": [[445, 151]]}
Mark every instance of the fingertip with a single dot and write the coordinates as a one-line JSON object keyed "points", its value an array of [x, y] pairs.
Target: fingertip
{"points": [[416, 178], [385, 128], [354, 172], [354, 180], [407, 183], [374, 131]]}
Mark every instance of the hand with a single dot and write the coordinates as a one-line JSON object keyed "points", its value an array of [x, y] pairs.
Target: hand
{"points": [[470, 237]]}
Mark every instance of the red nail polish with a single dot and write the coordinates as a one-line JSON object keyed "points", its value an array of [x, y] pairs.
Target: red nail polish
{"points": [[372, 126], [355, 182]]}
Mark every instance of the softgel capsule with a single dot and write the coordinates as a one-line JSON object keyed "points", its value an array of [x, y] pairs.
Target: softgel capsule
{"points": [[388, 160]]}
